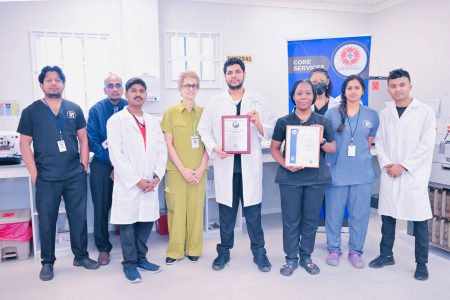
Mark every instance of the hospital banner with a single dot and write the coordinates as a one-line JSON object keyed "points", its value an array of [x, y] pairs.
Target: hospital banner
{"points": [[342, 57]]}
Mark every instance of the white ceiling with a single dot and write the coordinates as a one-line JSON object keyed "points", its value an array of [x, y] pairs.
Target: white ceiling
{"points": [[360, 6]]}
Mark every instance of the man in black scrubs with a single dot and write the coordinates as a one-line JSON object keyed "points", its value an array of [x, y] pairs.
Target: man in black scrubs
{"points": [[57, 129]]}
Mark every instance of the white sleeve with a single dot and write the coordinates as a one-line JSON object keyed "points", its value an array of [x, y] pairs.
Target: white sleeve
{"points": [[205, 128], [380, 141], [268, 120], [161, 154]]}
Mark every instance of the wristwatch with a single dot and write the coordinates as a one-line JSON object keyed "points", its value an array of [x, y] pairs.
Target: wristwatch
{"points": [[324, 141]]}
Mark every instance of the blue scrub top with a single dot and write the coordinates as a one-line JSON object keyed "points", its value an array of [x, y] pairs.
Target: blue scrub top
{"points": [[358, 169]]}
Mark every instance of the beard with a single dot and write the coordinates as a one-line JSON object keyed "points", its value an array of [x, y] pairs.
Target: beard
{"points": [[235, 87], [114, 99], [53, 95]]}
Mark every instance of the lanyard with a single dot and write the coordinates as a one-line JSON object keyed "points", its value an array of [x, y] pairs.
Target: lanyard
{"points": [[141, 128], [140, 125], [352, 133], [194, 126], [58, 121], [194, 122]]}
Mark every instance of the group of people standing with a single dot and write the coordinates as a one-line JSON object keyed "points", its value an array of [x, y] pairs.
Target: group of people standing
{"points": [[133, 151]]}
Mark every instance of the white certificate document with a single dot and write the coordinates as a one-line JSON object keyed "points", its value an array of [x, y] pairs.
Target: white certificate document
{"points": [[302, 146], [236, 134]]}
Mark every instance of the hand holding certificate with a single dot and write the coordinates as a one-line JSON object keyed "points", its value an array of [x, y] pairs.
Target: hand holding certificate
{"points": [[302, 146], [236, 134]]}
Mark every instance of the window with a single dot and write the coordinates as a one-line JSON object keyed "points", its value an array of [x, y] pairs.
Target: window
{"points": [[86, 59], [198, 52]]}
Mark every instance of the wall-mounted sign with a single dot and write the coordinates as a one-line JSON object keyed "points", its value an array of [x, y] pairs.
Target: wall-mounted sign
{"points": [[247, 59]]}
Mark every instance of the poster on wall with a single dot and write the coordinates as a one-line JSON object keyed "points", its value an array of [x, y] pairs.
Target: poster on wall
{"points": [[341, 57], [9, 108]]}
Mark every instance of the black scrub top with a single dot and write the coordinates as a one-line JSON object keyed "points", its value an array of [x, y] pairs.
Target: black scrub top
{"points": [[39, 122], [306, 176]]}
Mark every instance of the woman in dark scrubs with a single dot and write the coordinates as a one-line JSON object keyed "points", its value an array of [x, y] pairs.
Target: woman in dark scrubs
{"points": [[301, 189]]}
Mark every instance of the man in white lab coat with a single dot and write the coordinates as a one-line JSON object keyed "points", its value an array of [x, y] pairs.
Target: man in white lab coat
{"points": [[405, 143], [138, 153], [238, 177]]}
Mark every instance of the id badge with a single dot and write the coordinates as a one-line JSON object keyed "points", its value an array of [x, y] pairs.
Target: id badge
{"points": [[62, 146], [195, 141], [105, 144], [351, 150]]}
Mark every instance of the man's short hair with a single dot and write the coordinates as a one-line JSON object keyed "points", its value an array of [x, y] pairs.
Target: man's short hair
{"points": [[398, 73], [233, 61], [47, 69], [111, 76], [133, 81]]}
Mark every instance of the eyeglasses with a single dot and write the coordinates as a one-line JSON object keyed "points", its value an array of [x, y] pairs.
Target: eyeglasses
{"points": [[111, 86], [190, 86]]}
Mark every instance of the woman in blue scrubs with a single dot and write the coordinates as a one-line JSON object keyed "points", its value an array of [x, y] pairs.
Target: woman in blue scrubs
{"points": [[301, 189], [354, 126]]}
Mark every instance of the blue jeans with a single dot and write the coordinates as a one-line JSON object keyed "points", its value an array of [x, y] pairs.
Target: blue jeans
{"points": [[357, 199]]}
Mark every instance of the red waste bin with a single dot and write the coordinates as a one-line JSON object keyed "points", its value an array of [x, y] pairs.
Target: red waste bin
{"points": [[161, 225]]}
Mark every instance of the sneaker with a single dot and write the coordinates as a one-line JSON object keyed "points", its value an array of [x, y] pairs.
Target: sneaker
{"points": [[309, 266], [288, 268], [356, 260], [421, 272], [46, 273], [263, 263], [149, 267], [86, 263], [193, 259], [103, 258], [382, 261], [333, 258], [132, 275], [221, 260]]}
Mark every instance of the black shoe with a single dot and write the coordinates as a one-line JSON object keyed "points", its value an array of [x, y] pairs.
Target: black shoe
{"points": [[170, 260], [86, 263], [46, 273], [193, 259], [263, 263], [221, 260], [309, 266], [382, 261], [421, 272], [288, 268]]}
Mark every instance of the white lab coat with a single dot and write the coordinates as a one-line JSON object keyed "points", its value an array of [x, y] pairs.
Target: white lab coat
{"points": [[133, 162], [409, 141], [210, 129]]}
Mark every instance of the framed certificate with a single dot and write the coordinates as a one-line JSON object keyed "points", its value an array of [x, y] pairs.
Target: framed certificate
{"points": [[302, 146], [236, 134]]}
